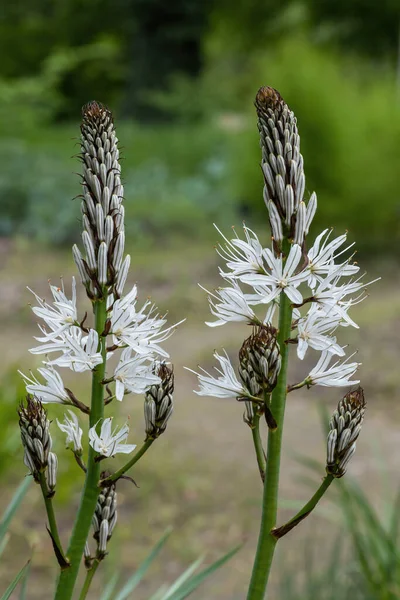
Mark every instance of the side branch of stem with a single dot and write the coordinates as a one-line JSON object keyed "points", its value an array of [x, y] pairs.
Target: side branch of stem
{"points": [[306, 510]]}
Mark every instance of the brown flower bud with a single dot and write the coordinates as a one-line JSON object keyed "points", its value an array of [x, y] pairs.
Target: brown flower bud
{"points": [[345, 427], [35, 435], [260, 361]]}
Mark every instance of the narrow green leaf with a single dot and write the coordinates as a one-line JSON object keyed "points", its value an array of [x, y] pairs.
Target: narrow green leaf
{"points": [[14, 583], [4, 542], [13, 506], [198, 579], [160, 593], [24, 585], [182, 579], [135, 579], [110, 587]]}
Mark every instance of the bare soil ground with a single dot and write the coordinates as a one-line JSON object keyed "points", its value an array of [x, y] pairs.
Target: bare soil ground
{"points": [[201, 476]]}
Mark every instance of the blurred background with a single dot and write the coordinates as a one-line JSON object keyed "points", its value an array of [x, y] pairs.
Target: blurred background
{"points": [[181, 77]]}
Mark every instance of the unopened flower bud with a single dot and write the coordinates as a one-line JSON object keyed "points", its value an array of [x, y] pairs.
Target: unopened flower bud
{"points": [[282, 163], [158, 404], [345, 427], [105, 517], [35, 435], [52, 471], [103, 213], [260, 361]]}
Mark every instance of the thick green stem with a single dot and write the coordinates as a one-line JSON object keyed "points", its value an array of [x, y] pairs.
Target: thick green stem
{"points": [[307, 508], [115, 476], [266, 541], [48, 501], [258, 447], [66, 582], [89, 577]]}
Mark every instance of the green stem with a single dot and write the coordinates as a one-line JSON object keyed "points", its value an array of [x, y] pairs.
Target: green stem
{"points": [[67, 579], [258, 447], [266, 541], [88, 580], [48, 501], [307, 508], [129, 464]]}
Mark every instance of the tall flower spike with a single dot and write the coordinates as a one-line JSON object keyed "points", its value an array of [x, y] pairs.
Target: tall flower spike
{"points": [[105, 517], [102, 201], [35, 435], [158, 404], [345, 426], [282, 166]]}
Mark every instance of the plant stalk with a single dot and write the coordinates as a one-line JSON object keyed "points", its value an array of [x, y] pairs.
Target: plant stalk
{"points": [[307, 508], [115, 476], [267, 541], [88, 580], [67, 579]]}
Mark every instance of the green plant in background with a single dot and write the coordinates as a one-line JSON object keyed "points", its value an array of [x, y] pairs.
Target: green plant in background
{"points": [[312, 292], [120, 330]]}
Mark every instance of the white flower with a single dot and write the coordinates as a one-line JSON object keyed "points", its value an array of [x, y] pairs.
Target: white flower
{"points": [[281, 277], [133, 374], [311, 330], [62, 315], [226, 385], [232, 305], [142, 332], [331, 297], [79, 353], [73, 431], [52, 391], [110, 443], [321, 257], [241, 256], [124, 313], [338, 375]]}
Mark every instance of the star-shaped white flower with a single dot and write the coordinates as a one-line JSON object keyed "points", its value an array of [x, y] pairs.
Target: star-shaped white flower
{"points": [[321, 258], [230, 304], [337, 375], [142, 332], [133, 374], [312, 331], [53, 391], [109, 442], [241, 256], [79, 352], [226, 385], [70, 426], [281, 277], [59, 316]]}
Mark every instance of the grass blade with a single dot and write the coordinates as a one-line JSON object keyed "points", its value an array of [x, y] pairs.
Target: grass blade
{"points": [[15, 582], [198, 579], [24, 585], [110, 587], [13, 506], [182, 579], [135, 579]]}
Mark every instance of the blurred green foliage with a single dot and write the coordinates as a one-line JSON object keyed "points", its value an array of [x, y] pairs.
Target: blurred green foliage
{"points": [[11, 393], [191, 71], [349, 123], [363, 560]]}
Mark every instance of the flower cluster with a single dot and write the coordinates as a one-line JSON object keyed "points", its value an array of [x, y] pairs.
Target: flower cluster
{"points": [[320, 283], [135, 333]]}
